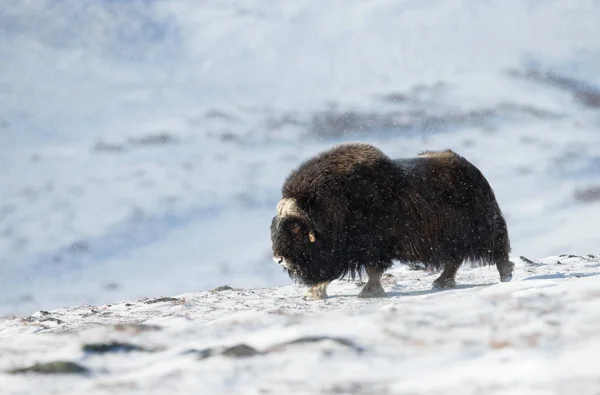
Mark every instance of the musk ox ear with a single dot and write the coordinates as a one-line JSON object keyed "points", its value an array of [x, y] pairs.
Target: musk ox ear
{"points": [[311, 236]]}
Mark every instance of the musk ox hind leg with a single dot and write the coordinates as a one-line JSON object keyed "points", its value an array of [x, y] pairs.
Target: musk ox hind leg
{"points": [[373, 288], [505, 268], [316, 292], [500, 249], [447, 278]]}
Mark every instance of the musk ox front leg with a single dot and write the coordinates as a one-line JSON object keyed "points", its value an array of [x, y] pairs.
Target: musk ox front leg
{"points": [[373, 288], [317, 292]]}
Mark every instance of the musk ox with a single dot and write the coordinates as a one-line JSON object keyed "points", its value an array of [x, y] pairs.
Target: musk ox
{"points": [[352, 209]]}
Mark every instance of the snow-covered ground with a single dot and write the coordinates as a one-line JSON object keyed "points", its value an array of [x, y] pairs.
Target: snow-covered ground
{"points": [[539, 334], [143, 144]]}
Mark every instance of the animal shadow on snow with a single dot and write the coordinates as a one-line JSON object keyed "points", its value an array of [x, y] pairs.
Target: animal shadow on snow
{"points": [[390, 294], [560, 275], [432, 291]]}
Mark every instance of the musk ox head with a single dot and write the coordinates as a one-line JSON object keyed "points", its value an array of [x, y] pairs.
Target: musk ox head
{"points": [[296, 243]]}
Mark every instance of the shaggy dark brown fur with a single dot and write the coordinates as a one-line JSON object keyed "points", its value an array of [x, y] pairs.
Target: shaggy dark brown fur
{"points": [[353, 209]]}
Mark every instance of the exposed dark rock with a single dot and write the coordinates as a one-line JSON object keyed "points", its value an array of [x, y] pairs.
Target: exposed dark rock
{"points": [[240, 351], [588, 195], [316, 339], [79, 247], [216, 114], [161, 299], [103, 146], [111, 286], [44, 317], [529, 262], [396, 97], [582, 91], [229, 136], [202, 354], [528, 109], [526, 260], [335, 123], [357, 388], [222, 288], [137, 328], [245, 351], [237, 351], [153, 139], [587, 257], [103, 348], [56, 367]]}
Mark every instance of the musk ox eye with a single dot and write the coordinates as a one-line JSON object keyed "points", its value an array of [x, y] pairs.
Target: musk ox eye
{"points": [[296, 229]]}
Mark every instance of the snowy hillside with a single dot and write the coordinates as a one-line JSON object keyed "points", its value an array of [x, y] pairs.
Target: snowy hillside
{"points": [[143, 143], [539, 334]]}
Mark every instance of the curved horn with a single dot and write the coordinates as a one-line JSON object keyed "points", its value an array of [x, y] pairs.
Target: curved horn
{"points": [[287, 207]]}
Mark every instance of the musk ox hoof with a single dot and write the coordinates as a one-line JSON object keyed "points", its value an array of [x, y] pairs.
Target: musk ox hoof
{"points": [[372, 294], [372, 291], [506, 278], [444, 284], [314, 296], [316, 292]]}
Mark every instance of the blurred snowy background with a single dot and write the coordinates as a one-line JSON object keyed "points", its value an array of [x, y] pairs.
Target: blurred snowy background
{"points": [[143, 143]]}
